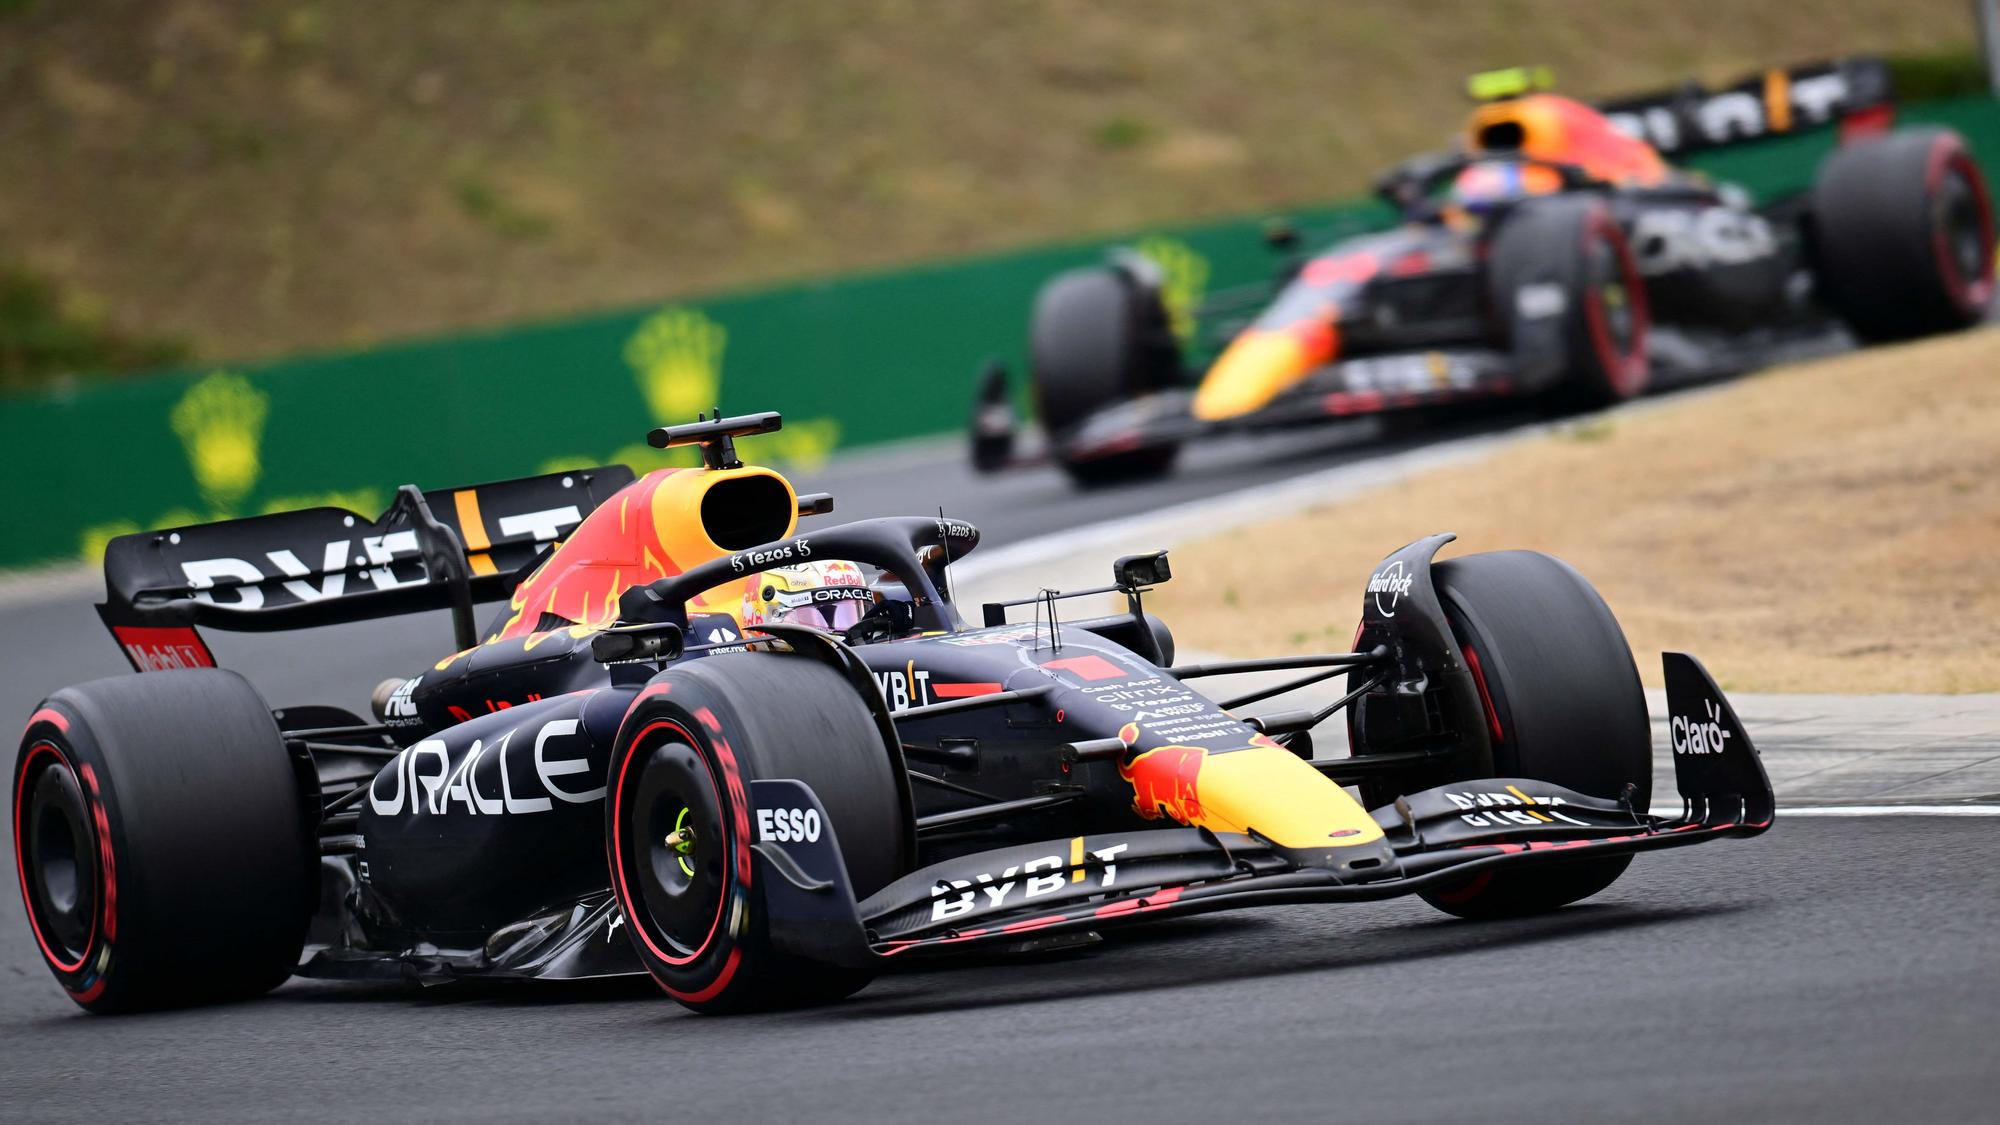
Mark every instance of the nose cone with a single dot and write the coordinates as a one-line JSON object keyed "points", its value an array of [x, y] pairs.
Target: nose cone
{"points": [[1258, 365]]}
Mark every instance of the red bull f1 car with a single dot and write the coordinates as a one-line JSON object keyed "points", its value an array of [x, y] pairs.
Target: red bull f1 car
{"points": [[763, 763], [1554, 253]]}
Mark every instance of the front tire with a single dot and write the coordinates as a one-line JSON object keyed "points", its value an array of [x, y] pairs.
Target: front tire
{"points": [[1097, 338], [678, 820], [163, 841], [1563, 702], [1567, 291], [1903, 235]]}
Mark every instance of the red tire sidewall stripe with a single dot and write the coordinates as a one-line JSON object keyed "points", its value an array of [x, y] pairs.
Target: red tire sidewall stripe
{"points": [[1627, 371], [626, 899], [93, 807], [715, 987], [50, 716], [1485, 694], [1947, 155]]}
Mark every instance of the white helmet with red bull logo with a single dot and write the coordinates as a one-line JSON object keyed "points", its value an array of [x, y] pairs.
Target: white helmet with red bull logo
{"points": [[825, 595]]}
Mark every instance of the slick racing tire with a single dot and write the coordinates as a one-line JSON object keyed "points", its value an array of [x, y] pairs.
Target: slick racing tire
{"points": [[164, 843], [1563, 703], [1566, 290], [1098, 338], [1903, 235], [686, 754]]}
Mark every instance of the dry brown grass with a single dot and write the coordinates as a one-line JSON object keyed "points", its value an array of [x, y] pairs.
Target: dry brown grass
{"points": [[1833, 526], [263, 175]]}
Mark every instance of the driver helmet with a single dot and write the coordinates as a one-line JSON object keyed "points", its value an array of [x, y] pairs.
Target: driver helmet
{"points": [[1488, 184], [825, 595]]}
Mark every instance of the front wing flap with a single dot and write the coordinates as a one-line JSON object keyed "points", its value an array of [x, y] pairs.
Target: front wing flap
{"points": [[1363, 385]]}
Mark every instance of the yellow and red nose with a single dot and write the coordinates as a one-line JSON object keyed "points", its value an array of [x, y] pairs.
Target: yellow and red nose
{"points": [[1261, 364], [1263, 787]]}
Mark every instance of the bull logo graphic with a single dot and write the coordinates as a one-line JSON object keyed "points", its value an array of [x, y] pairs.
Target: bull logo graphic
{"points": [[676, 355], [1184, 280], [1165, 781], [220, 421]]}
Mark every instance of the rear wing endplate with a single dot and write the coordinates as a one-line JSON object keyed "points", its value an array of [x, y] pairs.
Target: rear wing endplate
{"points": [[442, 549]]}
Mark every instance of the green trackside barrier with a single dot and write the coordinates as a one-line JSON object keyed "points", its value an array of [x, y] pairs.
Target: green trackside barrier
{"points": [[852, 362]]}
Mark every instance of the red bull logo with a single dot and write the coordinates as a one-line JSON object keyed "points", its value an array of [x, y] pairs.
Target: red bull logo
{"points": [[1165, 781], [840, 572]]}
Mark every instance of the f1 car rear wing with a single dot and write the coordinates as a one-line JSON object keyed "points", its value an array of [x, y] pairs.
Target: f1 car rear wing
{"points": [[1855, 93], [443, 549]]}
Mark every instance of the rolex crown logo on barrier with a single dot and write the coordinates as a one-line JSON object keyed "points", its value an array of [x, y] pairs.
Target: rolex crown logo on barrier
{"points": [[1184, 280], [677, 357], [220, 421]]}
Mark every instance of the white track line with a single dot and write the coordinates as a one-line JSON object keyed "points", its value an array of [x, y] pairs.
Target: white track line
{"points": [[1787, 811]]}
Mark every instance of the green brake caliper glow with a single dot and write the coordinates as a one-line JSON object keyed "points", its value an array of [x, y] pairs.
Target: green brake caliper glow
{"points": [[1613, 296], [681, 842]]}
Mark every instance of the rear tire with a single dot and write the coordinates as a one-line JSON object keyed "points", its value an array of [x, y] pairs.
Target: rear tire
{"points": [[1564, 703], [1903, 235], [684, 759], [1590, 343], [164, 844], [1098, 338]]}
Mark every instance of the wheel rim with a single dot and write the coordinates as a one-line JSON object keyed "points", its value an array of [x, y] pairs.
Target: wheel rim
{"points": [[673, 837], [58, 857]]}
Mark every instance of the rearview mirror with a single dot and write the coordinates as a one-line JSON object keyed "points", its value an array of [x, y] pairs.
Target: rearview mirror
{"points": [[622, 643], [1133, 571]]}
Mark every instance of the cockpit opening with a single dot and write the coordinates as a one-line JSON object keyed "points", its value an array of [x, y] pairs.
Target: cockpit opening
{"points": [[1501, 136]]}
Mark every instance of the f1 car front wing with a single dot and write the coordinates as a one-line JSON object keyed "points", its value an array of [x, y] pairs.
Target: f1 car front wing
{"points": [[1364, 385], [1431, 840]]}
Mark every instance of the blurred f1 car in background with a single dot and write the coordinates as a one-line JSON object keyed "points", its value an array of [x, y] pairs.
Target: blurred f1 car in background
{"points": [[1554, 253], [760, 764]]}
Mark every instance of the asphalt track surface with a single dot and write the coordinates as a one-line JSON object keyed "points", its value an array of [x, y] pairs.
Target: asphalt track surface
{"points": [[1833, 970], [1830, 971]]}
